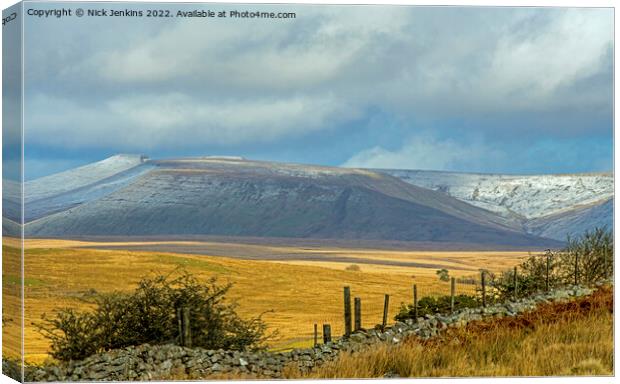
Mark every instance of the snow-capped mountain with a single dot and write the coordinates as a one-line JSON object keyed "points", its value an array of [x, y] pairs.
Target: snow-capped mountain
{"points": [[77, 178], [132, 195], [547, 205], [237, 197]]}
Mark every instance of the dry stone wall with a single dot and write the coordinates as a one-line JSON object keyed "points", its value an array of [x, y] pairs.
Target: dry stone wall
{"points": [[152, 362]]}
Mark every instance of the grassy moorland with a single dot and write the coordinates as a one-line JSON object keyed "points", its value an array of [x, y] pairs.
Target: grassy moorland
{"points": [[299, 293], [11, 301], [557, 339]]}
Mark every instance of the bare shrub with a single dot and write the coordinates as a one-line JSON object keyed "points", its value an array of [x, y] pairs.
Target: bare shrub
{"points": [[591, 255], [148, 315]]}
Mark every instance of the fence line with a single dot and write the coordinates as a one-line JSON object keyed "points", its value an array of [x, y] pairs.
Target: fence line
{"points": [[353, 319]]}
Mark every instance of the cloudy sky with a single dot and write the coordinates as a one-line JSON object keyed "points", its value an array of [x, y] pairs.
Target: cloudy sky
{"points": [[511, 90]]}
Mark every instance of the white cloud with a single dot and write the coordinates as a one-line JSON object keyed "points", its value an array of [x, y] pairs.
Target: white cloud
{"points": [[229, 121], [228, 82], [519, 62], [530, 70], [309, 52], [155, 121], [426, 152]]}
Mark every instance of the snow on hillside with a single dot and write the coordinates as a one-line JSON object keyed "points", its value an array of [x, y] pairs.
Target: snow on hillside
{"points": [[261, 199], [521, 197], [573, 223], [543, 205], [11, 201], [11, 190], [76, 178], [36, 209], [265, 168]]}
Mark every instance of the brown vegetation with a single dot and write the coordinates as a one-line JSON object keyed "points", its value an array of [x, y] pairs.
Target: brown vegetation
{"points": [[557, 339]]}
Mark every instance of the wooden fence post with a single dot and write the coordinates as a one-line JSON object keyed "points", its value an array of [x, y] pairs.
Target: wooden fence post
{"points": [[358, 313], [316, 334], [605, 262], [327, 333], [547, 274], [576, 267], [452, 289], [415, 302], [386, 304], [187, 331], [515, 284], [180, 325], [347, 311], [484, 292]]}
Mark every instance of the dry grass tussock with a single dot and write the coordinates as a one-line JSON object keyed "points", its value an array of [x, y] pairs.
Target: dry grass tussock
{"points": [[558, 339]]}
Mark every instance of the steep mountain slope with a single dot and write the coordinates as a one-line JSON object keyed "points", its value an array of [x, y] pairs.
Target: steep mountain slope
{"points": [[546, 205], [573, 222], [80, 177], [11, 208], [10, 228], [218, 196], [11, 200], [67, 198]]}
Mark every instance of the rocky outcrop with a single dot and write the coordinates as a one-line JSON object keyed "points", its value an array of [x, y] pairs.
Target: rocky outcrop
{"points": [[153, 362]]}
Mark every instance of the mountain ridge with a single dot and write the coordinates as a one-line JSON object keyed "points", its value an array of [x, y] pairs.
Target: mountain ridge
{"points": [[237, 197], [531, 201], [225, 195]]}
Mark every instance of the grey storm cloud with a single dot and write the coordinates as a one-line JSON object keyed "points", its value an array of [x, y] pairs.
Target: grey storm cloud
{"points": [[243, 81]]}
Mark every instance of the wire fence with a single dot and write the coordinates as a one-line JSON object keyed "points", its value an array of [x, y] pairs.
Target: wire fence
{"points": [[540, 273]]}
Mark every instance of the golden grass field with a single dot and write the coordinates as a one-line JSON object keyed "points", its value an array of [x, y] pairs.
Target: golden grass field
{"points": [[299, 293]]}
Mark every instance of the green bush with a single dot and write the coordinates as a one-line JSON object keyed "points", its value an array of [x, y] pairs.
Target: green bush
{"points": [[12, 367], [443, 274], [148, 315], [431, 305], [531, 277]]}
